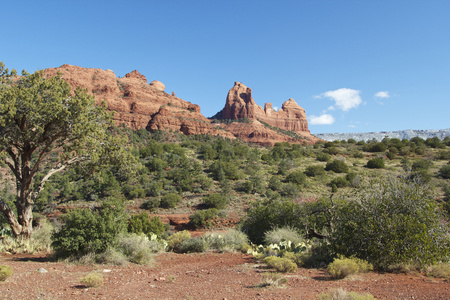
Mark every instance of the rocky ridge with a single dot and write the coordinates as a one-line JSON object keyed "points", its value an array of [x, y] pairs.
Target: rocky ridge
{"points": [[138, 104]]}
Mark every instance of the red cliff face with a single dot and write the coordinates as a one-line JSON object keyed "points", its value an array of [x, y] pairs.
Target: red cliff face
{"points": [[291, 117], [138, 104]]}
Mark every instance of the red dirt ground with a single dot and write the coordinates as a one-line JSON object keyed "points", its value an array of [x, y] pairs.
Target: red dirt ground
{"points": [[199, 276]]}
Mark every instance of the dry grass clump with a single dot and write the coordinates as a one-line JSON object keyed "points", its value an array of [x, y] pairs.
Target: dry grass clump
{"points": [[5, 272], [342, 267], [272, 280], [281, 264], [93, 279], [439, 271]]}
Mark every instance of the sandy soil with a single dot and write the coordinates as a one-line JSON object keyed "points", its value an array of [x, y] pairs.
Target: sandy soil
{"points": [[199, 276]]}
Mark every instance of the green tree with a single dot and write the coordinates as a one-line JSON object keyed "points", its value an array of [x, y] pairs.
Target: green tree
{"points": [[40, 115]]}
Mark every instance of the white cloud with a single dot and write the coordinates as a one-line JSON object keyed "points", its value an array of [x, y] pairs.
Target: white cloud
{"points": [[382, 94], [324, 119], [275, 108], [344, 98]]}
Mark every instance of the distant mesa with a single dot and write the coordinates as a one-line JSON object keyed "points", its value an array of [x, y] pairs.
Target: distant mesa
{"points": [[140, 105]]}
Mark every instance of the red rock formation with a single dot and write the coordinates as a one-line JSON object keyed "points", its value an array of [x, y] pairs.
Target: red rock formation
{"points": [[138, 104], [291, 117]]}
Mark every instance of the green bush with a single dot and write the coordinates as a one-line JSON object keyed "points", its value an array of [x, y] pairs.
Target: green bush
{"points": [[142, 223], [151, 204], [445, 171], [197, 244], [215, 200], [170, 200], [296, 177], [339, 182], [337, 166], [323, 156], [5, 272], [264, 216], [201, 217], [375, 163], [174, 241], [343, 267], [138, 248], [85, 230], [393, 221], [281, 264], [441, 270], [313, 171], [378, 147]]}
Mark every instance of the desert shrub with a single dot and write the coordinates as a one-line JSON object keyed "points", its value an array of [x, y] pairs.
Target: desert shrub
{"points": [[152, 203], [85, 230], [265, 215], [170, 200], [275, 183], [231, 240], [296, 177], [138, 248], [276, 235], [93, 279], [342, 267], [281, 264], [353, 179], [142, 224], [358, 154], [444, 172], [339, 182], [197, 244], [174, 241], [341, 294], [201, 217], [111, 256], [378, 147], [441, 270], [5, 272], [337, 166], [393, 221], [313, 171], [375, 163], [322, 156]]}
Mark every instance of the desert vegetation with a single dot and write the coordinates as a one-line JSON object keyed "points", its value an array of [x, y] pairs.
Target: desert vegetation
{"points": [[351, 206]]}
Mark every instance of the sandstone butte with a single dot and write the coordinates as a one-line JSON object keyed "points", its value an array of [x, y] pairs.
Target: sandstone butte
{"points": [[138, 104]]}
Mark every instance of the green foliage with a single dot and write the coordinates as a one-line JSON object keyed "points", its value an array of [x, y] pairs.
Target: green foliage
{"points": [[297, 177], [342, 267], [138, 248], [441, 270], [339, 182], [174, 241], [231, 240], [201, 217], [376, 163], [93, 279], [444, 171], [141, 223], [337, 166], [170, 200], [378, 147], [215, 200], [265, 216], [314, 170], [281, 264], [86, 230], [192, 245], [5, 272], [393, 221], [39, 114]]}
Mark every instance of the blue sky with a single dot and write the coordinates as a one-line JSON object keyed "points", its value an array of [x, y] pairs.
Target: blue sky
{"points": [[354, 66]]}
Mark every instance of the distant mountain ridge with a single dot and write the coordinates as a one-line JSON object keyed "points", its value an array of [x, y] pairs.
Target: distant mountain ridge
{"points": [[400, 134]]}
